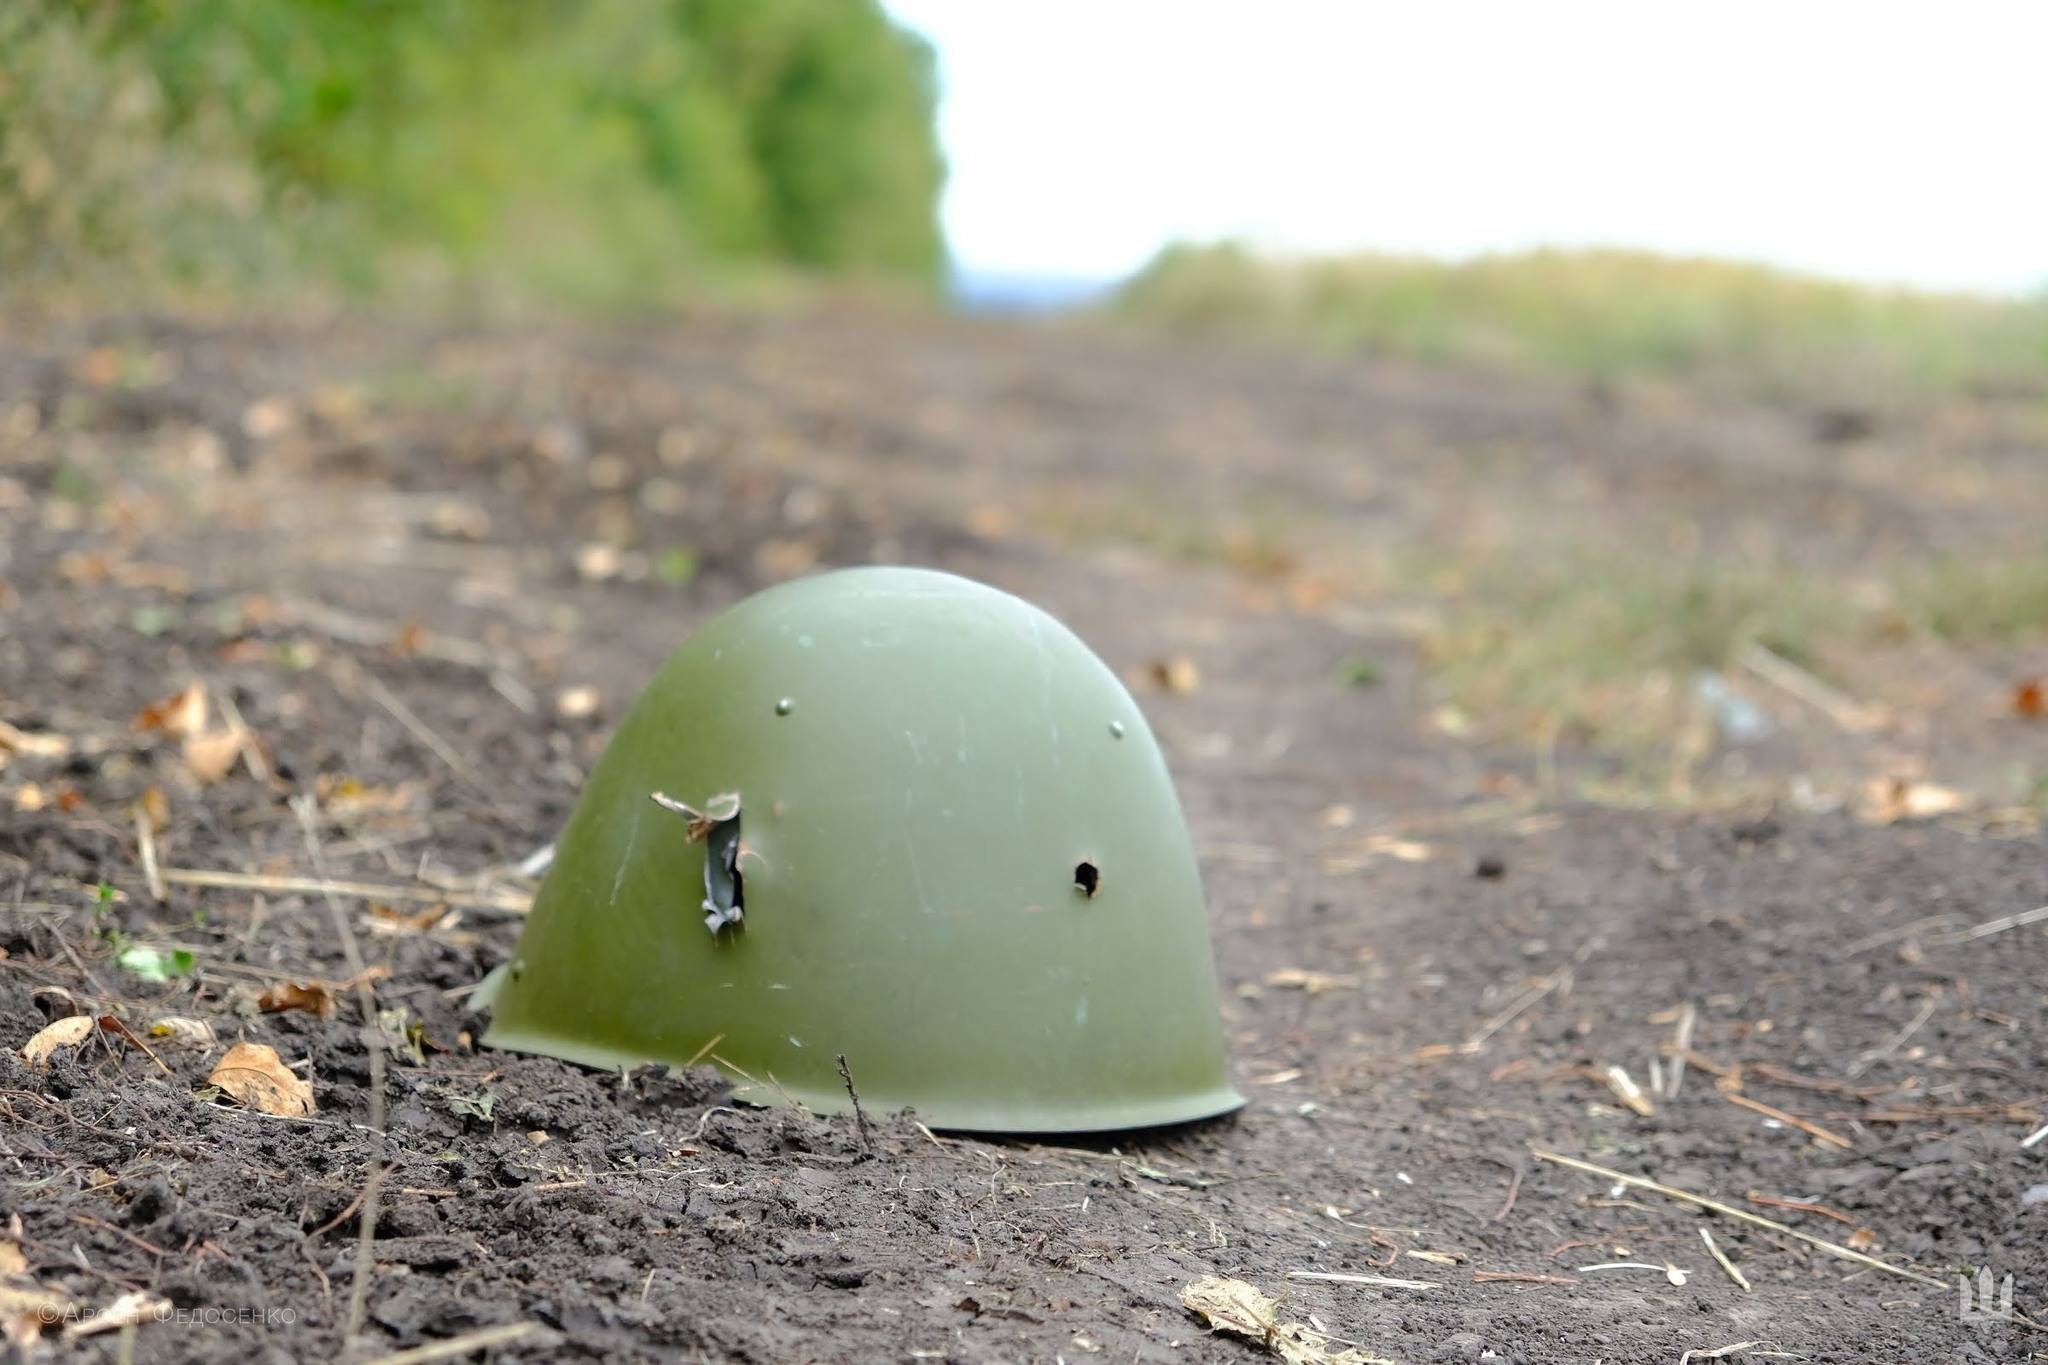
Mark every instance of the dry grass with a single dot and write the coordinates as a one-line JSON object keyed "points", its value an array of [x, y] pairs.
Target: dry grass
{"points": [[1612, 315]]}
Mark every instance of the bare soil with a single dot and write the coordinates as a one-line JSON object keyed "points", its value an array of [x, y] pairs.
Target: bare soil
{"points": [[427, 567]]}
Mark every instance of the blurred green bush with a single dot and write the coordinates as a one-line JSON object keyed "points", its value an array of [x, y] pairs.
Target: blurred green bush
{"points": [[610, 151]]}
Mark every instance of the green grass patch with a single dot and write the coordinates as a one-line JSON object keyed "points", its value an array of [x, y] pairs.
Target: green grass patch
{"points": [[1607, 648]]}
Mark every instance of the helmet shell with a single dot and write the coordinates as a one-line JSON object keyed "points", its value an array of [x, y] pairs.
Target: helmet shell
{"points": [[961, 861]]}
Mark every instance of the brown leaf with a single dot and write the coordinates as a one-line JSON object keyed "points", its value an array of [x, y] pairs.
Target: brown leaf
{"points": [[154, 807], [2030, 698], [314, 996], [1174, 673], [212, 757], [64, 1033], [178, 715], [347, 796], [252, 1075]]}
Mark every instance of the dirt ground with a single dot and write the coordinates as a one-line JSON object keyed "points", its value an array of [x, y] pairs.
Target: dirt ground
{"points": [[419, 572]]}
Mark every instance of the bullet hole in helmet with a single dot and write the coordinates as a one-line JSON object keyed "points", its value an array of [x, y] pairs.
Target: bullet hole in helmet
{"points": [[1087, 878], [724, 887], [717, 827]]}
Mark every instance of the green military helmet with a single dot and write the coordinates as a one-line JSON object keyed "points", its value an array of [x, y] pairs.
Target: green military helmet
{"points": [[900, 816]]}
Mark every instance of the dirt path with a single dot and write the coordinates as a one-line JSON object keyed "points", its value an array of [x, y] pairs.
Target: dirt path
{"points": [[428, 569]]}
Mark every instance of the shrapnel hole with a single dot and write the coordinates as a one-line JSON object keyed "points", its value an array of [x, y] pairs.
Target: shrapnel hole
{"points": [[1087, 878]]}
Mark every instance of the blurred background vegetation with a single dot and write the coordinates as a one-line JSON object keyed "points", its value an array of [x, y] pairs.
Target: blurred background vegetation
{"points": [[1613, 316], [459, 151]]}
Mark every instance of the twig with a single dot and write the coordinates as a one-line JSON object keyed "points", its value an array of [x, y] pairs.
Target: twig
{"points": [[1518, 1277], [351, 629], [366, 998], [1681, 1044], [145, 848], [1876, 1055], [860, 1117], [1721, 1259], [1380, 1281], [512, 902], [419, 729], [1508, 1204], [1628, 1092], [245, 739], [348, 1211], [1813, 1130], [1729, 1210], [113, 1025], [1801, 1206], [1993, 926], [126, 1236], [481, 1339], [1838, 706], [1884, 936], [1528, 998]]}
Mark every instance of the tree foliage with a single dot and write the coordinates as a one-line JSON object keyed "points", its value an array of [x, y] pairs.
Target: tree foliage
{"points": [[594, 150]]}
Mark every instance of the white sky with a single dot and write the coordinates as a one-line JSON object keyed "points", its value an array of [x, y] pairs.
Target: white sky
{"points": [[1904, 142]]}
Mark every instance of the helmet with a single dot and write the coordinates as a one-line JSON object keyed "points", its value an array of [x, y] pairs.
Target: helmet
{"points": [[894, 816]]}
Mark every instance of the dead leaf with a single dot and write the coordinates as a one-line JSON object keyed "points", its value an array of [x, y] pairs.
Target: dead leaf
{"points": [[1887, 800], [385, 920], [25, 1312], [266, 419], [1174, 673], [576, 703], [314, 996], [64, 1033], [252, 1075], [212, 757], [347, 796], [785, 557], [33, 744], [1310, 982], [154, 807], [12, 1262], [597, 561], [179, 715], [1247, 1311], [177, 1028], [1402, 850], [2030, 698]]}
